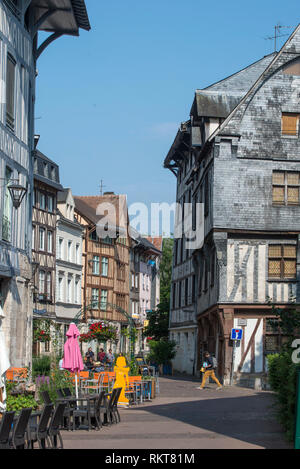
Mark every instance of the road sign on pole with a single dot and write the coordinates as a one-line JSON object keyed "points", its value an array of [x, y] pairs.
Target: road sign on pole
{"points": [[236, 334]]}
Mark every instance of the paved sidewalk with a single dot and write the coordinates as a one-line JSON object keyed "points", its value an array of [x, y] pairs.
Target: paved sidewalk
{"points": [[182, 417]]}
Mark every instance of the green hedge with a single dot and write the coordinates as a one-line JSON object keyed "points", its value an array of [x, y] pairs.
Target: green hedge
{"points": [[282, 378]]}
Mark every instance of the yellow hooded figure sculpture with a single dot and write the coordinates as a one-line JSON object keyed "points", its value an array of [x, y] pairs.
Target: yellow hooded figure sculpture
{"points": [[122, 380]]}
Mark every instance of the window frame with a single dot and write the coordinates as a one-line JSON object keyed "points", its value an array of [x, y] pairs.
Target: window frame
{"points": [[293, 115], [285, 187], [282, 260]]}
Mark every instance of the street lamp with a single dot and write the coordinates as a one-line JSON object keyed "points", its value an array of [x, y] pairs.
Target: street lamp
{"points": [[17, 193]]}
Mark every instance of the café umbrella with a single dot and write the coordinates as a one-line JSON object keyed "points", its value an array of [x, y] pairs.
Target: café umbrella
{"points": [[4, 365], [72, 360]]}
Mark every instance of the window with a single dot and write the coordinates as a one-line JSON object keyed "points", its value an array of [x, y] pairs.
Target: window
{"points": [[193, 288], [50, 241], [289, 124], [179, 296], [174, 296], [96, 265], [50, 203], [48, 286], [6, 219], [10, 92], [69, 251], [104, 266], [282, 261], [77, 291], [42, 199], [103, 301], [206, 195], [286, 186], [42, 239], [95, 298], [77, 253], [42, 276], [136, 281], [186, 292], [60, 288], [60, 248], [121, 301], [69, 290]]}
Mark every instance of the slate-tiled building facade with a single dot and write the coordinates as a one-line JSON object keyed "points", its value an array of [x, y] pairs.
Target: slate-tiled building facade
{"points": [[243, 134]]}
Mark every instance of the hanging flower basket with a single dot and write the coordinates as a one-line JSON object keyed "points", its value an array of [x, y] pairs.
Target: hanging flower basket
{"points": [[100, 331], [40, 335]]}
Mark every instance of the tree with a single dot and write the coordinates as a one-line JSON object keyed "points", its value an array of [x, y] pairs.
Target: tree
{"points": [[166, 272], [158, 327], [162, 351]]}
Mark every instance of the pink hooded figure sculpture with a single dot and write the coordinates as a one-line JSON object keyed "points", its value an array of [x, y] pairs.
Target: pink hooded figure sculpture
{"points": [[72, 360]]}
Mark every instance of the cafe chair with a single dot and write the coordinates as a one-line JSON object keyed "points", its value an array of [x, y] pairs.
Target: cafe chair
{"points": [[54, 427], [39, 432], [5, 428], [17, 440]]}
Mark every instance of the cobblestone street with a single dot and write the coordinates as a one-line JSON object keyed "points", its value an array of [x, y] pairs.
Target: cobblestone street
{"points": [[182, 417]]}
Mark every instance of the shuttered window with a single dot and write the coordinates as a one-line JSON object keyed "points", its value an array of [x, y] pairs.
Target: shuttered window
{"points": [[289, 124], [10, 92], [282, 261], [286, 188]]}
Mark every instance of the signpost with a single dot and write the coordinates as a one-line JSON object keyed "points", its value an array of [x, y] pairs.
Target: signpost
{"points": [[236, 336]]}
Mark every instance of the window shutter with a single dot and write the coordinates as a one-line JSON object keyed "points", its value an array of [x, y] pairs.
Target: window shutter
{"points": [[290, 124]]}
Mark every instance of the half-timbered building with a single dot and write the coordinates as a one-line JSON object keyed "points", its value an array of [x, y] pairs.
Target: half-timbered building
{"points": [[243, 138], [144, 283], [44, 218], [105, 260], [20, 23]]}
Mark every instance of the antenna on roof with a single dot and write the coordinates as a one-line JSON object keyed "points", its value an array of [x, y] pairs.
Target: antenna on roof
{"points": [[277, 31], [101, 187]]}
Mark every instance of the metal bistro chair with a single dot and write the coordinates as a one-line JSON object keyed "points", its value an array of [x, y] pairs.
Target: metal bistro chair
{"points": [[5, 428], [70, 406], [39, 433], [96, 408], [110, 405], [114, 406], [55, 424], [17, 440], [46, 397]]}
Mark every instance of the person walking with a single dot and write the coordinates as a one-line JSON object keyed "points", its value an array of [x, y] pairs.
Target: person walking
{"points": [[208, 368]]}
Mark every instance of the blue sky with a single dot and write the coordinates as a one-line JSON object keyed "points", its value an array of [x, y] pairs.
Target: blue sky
{"points": [[109, 102]]}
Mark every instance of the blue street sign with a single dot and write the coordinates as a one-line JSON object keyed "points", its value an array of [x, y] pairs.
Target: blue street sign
{"points": [[236, 334]]}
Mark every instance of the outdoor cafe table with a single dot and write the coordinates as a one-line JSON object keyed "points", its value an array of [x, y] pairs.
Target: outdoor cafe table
{"points": [[81, 398]]}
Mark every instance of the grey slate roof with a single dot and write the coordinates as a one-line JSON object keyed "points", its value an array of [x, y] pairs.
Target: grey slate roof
{"points": [[216, 103], [46, 170], [243, 80]]}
